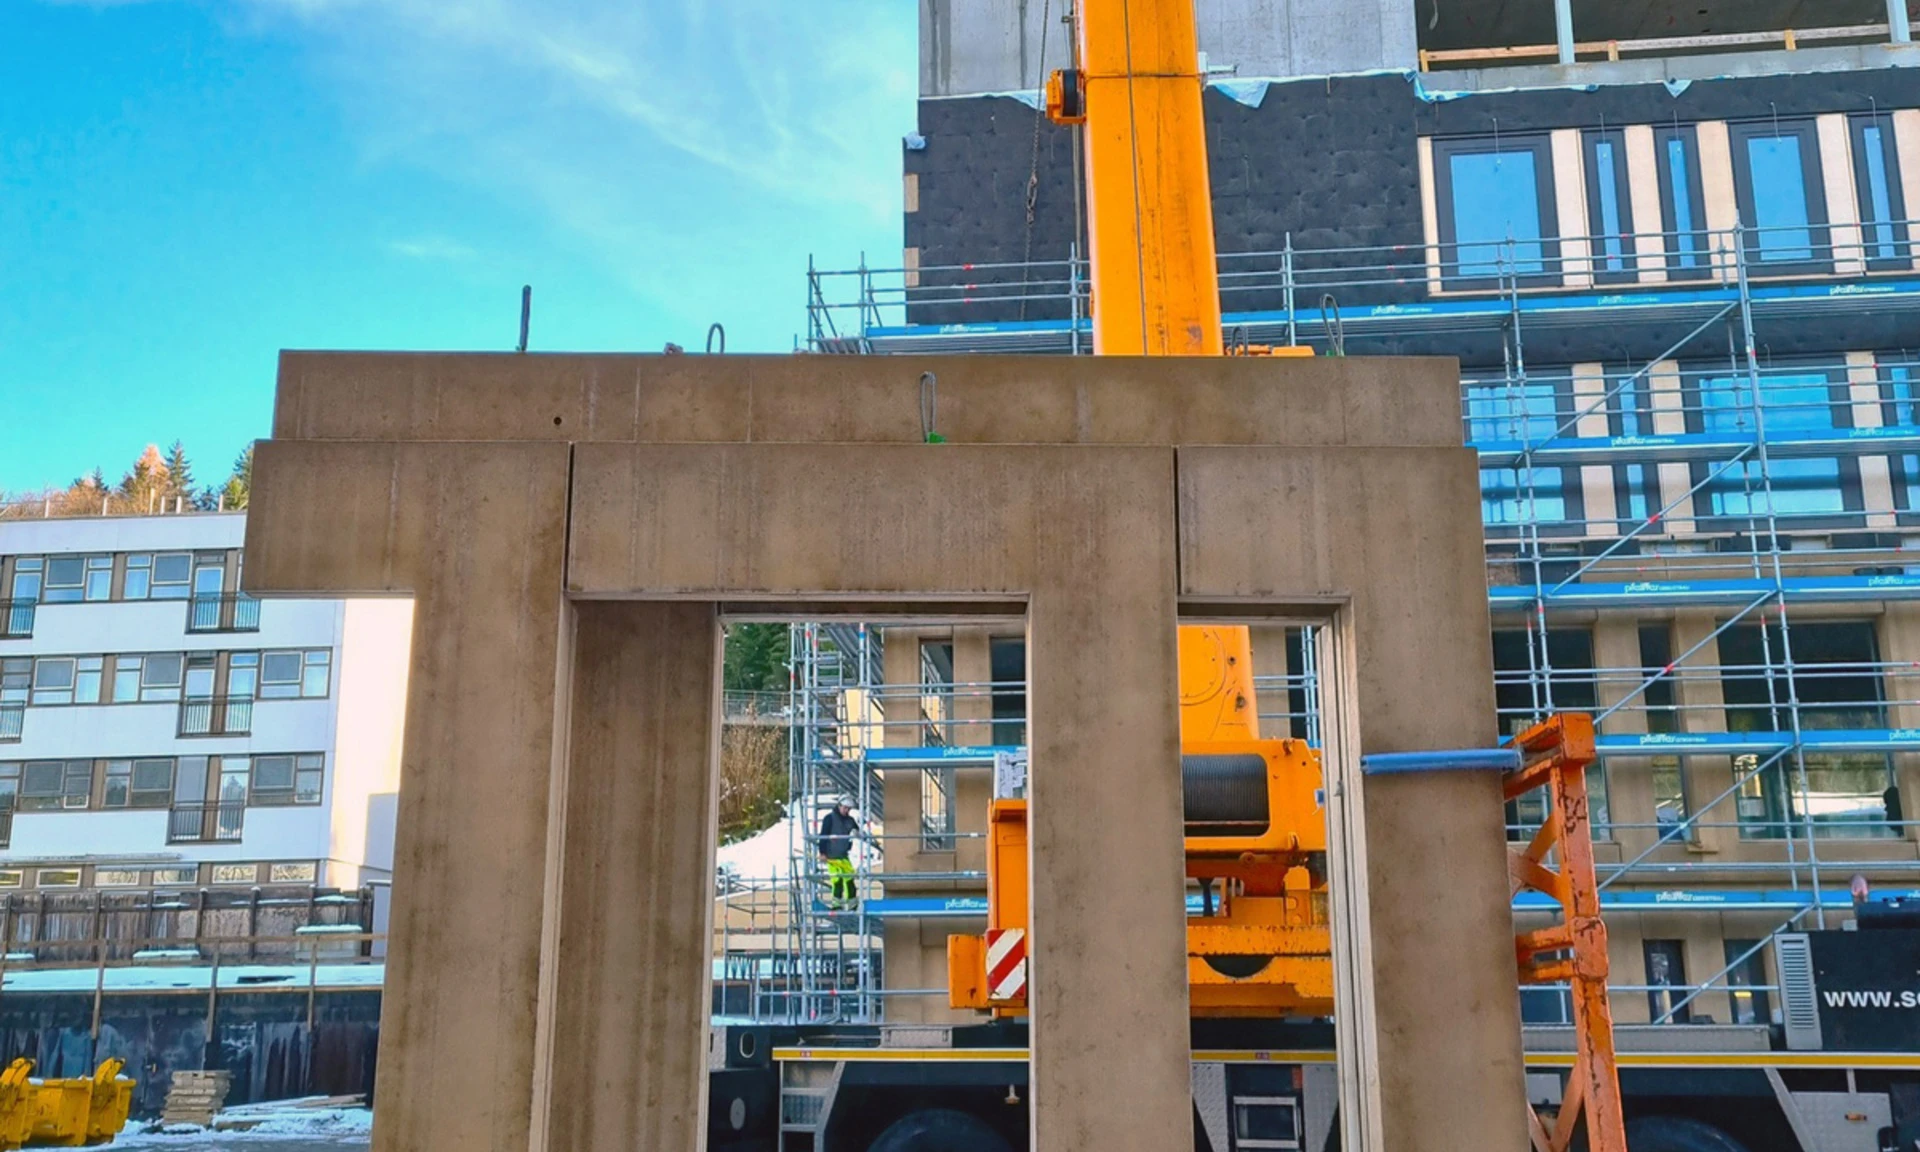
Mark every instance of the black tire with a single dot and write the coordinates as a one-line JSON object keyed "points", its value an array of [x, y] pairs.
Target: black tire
{"points": [[1678, 1134], [939, 1130]]}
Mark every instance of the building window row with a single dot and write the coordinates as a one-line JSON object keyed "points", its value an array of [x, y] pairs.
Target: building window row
{"points": [[1791, 400], [173, 876], [265, 780], [1498, 207], [73, 578], [1839, 683], [163, 677]]}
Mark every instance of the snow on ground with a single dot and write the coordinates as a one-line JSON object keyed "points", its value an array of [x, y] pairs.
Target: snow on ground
{"points": [[275, 1127]]}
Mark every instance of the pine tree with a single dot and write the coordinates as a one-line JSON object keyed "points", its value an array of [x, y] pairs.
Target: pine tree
{"points": [[179, 476], [233, 495]]}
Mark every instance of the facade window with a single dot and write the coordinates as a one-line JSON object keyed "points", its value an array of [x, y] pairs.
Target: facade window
{"points": [[290, 675], [235, 873], [9, 785], [1776, 178], [936, 690], [172, 576], [146, 783], [1666, 981], [1791, 402], [1900, 408], [116, 878], [1531, 680], [1496, 208], [1636, 487], [154, 677], [1677, 155], [1876, 181], [11, 877], [1609, 207], [138, 583], [171, 877], [1836, 679], [936, 809], [57, 878], [16, 679], [1510, 497], [292, 873], [66, 680], [67, 579], [1746, 980], [51, 785], [281, 780], [1007, 656]]}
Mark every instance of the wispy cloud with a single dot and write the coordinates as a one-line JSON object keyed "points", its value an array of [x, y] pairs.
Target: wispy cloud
{"points": [[431, 248], [653, 133]]}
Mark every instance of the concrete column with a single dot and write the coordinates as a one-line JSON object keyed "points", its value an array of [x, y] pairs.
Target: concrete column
{"points": [[631, 972], [1570, 207], [1616, 645], [1900, 646], [1843, 209], [1107, 837], [1643, 194], [1703, 709], [1670, 419], [467, 923], [1864, 406], [973, 704], [1596, 480]]}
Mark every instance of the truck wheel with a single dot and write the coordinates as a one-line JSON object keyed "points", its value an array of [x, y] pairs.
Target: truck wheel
{"points": [[1678, 1134], [939, 1130]]}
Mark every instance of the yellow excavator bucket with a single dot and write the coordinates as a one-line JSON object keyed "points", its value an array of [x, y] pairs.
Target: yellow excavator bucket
{"points": [[112, 1100], [62, 1113]]}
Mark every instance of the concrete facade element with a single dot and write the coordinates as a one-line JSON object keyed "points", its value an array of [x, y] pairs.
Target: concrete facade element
{"points": [[570, 525], [972, 47]]}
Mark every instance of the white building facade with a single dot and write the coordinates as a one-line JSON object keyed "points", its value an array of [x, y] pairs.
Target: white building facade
{"points": [[161, 729]]}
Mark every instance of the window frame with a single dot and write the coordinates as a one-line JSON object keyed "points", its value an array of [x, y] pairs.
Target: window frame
{"points": [[1852, 511], [1740, 135], [1902, 259], [1623, 198], [1444, 149], [1905, 478], [1571, 493], [1695, 241]]}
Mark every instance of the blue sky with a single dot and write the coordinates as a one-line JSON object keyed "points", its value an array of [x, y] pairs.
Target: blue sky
{"points": [[188, 186]]}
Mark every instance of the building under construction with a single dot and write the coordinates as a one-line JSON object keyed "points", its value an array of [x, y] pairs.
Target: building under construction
{"points": [[1671, 247]]}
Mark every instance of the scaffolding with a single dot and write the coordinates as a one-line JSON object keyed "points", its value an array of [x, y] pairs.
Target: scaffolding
{"points": [[1763, 499]]}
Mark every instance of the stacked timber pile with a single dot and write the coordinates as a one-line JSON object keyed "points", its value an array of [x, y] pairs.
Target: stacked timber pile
{"points": [[194, 1097]]}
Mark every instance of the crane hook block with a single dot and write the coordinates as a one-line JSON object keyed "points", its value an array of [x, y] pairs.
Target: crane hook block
{"points": [[1067, 97]]}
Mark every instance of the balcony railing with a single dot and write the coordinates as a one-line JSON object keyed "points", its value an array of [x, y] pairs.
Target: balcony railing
{"points": [[6, 827], [206, 823], [13, 717], [216, 716], [16, 619], [232, 612]]}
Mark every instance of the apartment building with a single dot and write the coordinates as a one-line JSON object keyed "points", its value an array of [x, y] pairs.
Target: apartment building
{"points": [[1672, 248], [163, 733]]}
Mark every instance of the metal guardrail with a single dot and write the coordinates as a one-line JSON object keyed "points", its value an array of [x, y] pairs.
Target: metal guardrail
{"points": [[13, 720], [16, 618], [206, 823], [216, 716], [232, 612]]}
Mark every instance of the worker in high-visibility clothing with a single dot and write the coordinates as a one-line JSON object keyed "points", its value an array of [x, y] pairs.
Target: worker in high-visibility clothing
{"points": [[837, 830]]}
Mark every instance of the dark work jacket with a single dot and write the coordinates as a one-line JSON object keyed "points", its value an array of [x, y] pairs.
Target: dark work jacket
{"points": [[836, 835]]}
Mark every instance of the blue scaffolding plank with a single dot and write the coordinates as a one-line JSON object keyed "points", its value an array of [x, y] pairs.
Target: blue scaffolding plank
{"points": [[958, 755], [1652, 593], [1442, 315], [1661, 899], [1571, 450], [1757, 743]]}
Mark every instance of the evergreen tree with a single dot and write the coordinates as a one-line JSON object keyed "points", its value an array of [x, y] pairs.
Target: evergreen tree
{"points": [[233, 495], [756, 658], [179, 476]]}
